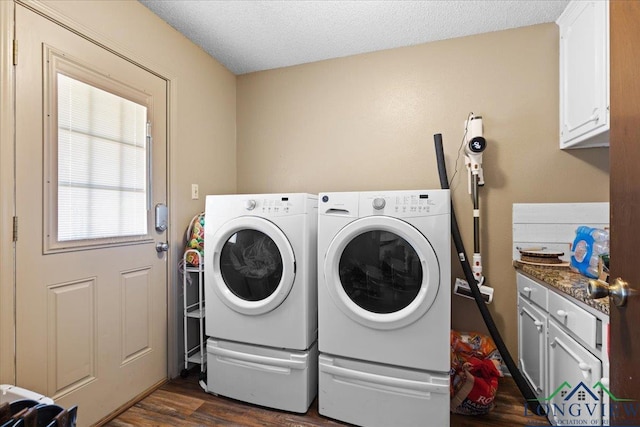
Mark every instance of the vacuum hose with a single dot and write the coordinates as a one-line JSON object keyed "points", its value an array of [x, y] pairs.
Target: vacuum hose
{"points": [[520, 381]]}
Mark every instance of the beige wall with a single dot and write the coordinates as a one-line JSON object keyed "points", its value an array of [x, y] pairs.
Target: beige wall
{"points": [[367, 122], [201, 126], [364, 122]]}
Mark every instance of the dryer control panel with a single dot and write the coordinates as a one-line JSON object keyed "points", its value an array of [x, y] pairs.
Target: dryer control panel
{"points": [[273, 206], [405, 204], [262, 205]]}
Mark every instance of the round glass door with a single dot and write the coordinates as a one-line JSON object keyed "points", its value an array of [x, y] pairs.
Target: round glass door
{"points": [[382, 272], [253, 265]]}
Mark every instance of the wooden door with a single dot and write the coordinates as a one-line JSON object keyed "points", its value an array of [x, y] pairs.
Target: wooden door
{"points": [[91, 312], [624, 155]]}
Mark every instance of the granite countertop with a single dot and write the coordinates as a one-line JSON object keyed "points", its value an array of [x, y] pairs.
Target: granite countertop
{"points": [[566, 281]]}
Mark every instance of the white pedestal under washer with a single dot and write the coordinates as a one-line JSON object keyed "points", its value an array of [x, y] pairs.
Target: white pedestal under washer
{"points": [[384, 306], [261, 293]]}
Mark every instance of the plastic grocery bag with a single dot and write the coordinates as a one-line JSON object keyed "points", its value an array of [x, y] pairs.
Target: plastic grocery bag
{"points": [[475, 371]]}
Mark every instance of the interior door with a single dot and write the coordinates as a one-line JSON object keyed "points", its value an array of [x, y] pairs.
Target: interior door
{"points": [[624, 155], [91, 312]]}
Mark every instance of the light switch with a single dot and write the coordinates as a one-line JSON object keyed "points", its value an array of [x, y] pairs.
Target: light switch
{"points": [[194, 192]]}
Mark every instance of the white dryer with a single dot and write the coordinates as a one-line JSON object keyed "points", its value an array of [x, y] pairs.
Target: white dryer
{"points": [[261, 298], [384, 306]]}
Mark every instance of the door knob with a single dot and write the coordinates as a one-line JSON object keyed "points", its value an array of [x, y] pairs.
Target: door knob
{"points": [[618, 291], [162, 247]]}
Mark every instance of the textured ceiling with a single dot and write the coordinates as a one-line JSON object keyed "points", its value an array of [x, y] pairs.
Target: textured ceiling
{"points": [[253, 35]]}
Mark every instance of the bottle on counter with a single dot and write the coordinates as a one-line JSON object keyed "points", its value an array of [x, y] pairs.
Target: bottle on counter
{"points": [[589, 245]]}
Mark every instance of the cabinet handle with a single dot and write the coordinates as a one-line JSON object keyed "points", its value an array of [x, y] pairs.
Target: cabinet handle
{"points": [[586, 370], [526, 289], [583, 366], [538, 324], [562, 313]]}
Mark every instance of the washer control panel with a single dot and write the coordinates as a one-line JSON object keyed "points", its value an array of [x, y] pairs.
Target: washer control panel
{"points": [[262, 205], [275, 206], [405, 203]]}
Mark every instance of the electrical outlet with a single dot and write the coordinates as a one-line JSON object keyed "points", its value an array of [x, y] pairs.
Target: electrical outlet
{"points": [[195, 195]]}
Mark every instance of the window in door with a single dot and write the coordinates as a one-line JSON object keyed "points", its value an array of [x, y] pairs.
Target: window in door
{"points": [[98, 152]]}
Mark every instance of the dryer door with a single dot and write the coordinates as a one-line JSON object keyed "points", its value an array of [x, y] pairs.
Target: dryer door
{"points": [[253, 265], [382, 272]]}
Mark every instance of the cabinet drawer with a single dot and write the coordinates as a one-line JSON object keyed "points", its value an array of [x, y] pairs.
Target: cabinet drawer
{"points": [[578, 321], [532, 291]]}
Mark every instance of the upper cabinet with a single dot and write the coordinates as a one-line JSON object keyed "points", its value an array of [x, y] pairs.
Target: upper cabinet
{"points": [[584, 74]]}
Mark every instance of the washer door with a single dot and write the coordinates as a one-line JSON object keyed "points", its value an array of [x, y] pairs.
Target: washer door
{"points": [[253, 265], [382, 272]]}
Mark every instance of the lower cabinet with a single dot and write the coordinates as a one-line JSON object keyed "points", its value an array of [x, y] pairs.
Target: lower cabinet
{"points": [[561, 355], [532, 345], [574, 374]]}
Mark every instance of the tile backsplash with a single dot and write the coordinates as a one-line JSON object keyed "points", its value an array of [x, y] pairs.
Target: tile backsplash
{"points": [[552, 226]]}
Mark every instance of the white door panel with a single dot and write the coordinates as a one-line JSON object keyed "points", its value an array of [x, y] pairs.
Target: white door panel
{"points": [[91, 324], [532, 330], [573, 369]]}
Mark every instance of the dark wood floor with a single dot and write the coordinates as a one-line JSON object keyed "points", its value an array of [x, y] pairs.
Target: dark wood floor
{"points": [[181, 402]]}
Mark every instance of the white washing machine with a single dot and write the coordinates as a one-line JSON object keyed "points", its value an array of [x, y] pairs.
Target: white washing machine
{"points": [[384, 307], [261, 298]]}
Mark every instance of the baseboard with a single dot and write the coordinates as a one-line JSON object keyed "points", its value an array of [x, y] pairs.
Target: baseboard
{"points": [[130, 403]]}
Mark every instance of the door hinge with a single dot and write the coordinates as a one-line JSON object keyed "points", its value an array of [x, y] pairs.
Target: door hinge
{"points": [[15, 52], [15, 228]]}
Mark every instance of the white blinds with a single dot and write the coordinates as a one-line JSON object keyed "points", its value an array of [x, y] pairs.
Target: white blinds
{"points": [[102, 163]]}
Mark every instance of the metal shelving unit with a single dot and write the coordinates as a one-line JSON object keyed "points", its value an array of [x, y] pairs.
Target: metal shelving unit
{"points": [[194, 313]]}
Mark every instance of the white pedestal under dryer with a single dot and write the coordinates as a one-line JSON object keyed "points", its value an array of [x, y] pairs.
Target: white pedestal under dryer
{"points": [[384, 306], [261, 293]]}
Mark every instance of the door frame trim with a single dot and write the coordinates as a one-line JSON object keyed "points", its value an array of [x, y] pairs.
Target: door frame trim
{"points": [[7, 175], [7, 190]]}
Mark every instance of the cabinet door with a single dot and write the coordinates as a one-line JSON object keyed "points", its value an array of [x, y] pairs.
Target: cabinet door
{"points": [[584, 74], [532, 332], [575, 392]]}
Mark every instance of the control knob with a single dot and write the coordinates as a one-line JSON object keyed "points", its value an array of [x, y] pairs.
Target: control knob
{"points": [[250, 204], [379, 203]]}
